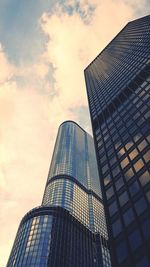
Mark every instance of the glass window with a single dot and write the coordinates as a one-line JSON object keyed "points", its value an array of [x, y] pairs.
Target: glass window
{"points": [[137, 137], [121, 251], [146, 156], [129, 123], [112, 161], [101, 150], [115, 137], [138, 165], [135, 239], [116, 227], [125, 137], [113, 208], [133, 154], [147, 114], [121, 152], [143, 263], [122, 130], [113, 130], [119, 183], [144, 128], [137, 115], [143, 84], [128, 145], [115, 171], [129, 174], [140, 205], [108, 144], [134, 188], [105, 168], [128, 216], [97, 131], [143, 108], [107, 180], [142, 145], [148, 138], [110, 192], [106, 137], [124, 162], [123, 198], [110, 151], [148, 196], [144, 178], [100, 143], [117, 119], [133, 129], [103, 158], [146, 228]]}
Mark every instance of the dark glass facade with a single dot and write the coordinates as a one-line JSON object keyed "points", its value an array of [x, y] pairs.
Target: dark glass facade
{"points": [[69, 228], [118, 86]]}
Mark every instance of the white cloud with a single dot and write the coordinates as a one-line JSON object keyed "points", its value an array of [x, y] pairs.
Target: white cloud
{"points": [[29, 122], [7, 69], [73, 44]]}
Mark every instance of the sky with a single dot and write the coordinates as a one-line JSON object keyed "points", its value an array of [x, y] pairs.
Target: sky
{"points": [[45, 45]]}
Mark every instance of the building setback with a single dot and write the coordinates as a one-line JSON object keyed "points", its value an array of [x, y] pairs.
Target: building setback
{"points": [[69, 228], [118, 85], [50, 236]]}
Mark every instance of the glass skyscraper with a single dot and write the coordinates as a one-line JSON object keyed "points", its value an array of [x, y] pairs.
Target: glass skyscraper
{"points": [[118, 87], [69, 228], [73, 181]]}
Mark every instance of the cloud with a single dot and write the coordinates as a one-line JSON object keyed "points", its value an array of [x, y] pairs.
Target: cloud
{"points": [[76, 32], [30, 118], [25, 148], [19, 31], [6, 71], [73, 43]]}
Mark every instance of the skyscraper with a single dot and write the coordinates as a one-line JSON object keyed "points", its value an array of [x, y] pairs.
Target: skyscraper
{"points": [[69, 228], [118, 85]]}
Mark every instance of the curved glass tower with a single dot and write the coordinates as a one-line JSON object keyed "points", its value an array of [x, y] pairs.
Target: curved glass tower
{"points": [[73, 175], [73, 181], [69, 228], [51, 237]]}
